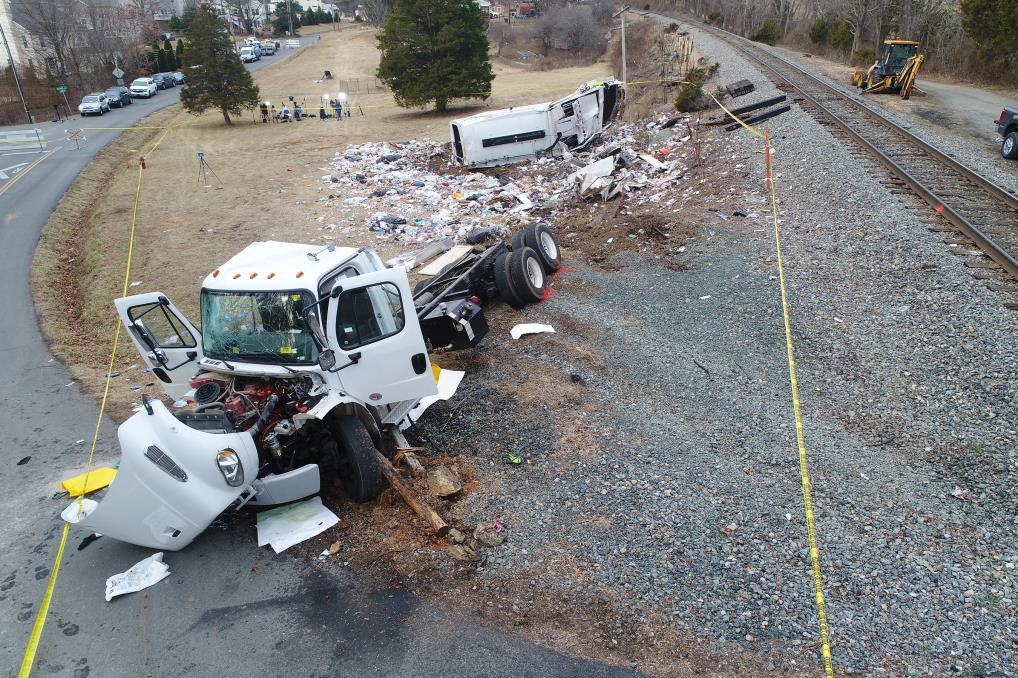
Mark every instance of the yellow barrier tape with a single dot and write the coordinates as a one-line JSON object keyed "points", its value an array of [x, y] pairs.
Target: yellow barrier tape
{"points": [[40, 620], [800, 439]]}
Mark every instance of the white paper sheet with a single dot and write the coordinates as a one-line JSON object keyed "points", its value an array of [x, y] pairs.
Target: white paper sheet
{"points": [[529, 328], [284, 526], [139, 576], [448, 382]]}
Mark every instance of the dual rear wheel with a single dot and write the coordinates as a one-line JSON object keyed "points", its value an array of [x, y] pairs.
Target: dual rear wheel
{"points": [[521, 275]]}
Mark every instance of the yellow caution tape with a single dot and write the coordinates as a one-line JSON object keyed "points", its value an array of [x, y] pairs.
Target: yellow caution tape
{"points": [[800, 439], [40, 619], [436, 370]]}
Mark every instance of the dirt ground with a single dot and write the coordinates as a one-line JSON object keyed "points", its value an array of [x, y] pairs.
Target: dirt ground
{"points": [[266, 185]]}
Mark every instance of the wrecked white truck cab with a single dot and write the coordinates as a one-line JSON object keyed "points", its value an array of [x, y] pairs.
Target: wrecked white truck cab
{"points": [[304, 356], [521, 133]]}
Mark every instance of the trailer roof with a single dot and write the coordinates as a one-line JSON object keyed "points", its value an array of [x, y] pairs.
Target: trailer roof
{"points": [[273, 265]]}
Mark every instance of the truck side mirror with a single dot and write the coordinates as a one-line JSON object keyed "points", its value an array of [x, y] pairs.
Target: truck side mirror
{"points": [[327, 360]]}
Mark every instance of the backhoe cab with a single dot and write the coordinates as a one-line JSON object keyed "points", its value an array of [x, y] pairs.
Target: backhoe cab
{"points": [[895, 71]]}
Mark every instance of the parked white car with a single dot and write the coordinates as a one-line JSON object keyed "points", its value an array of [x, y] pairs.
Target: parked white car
{"points": [[144, 87], [94, 104]]}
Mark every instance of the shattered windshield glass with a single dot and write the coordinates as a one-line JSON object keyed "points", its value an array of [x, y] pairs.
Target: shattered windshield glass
{"points": [[257, 326]]}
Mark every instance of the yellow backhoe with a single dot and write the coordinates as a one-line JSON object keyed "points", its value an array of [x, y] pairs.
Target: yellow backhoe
{"points": [[895, 71]]}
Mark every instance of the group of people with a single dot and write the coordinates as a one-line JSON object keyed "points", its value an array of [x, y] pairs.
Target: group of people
{"points": [[284, 114]]}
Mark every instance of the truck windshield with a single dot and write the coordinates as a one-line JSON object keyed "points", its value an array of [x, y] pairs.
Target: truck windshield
{"points": [[260, 327]]}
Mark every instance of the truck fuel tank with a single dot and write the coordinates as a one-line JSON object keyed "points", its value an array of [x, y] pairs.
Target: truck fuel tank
{"points": [[455, 324]]}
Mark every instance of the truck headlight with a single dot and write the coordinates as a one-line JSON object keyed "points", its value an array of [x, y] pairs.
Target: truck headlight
{"points": [[230, 466]]}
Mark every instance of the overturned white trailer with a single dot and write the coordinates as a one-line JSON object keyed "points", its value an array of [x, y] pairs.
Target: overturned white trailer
{"points": [[521, 133]]}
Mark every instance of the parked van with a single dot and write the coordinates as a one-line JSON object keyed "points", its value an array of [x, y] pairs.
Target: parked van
{"points": [[518, 134], [248, 54]]}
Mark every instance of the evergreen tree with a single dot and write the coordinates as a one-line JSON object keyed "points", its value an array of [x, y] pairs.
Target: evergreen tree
{"points": [[163, 59], [180, 54], [171, 57], [176, 24], [435, 50], [219, 80], [188, 16], [153, 58], [281, 24]]}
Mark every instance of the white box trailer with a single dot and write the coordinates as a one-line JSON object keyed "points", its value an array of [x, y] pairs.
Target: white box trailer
{"points": [[523, 132]]}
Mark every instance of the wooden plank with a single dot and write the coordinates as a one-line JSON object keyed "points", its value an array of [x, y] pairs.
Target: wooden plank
{"points": [[446, 260]]}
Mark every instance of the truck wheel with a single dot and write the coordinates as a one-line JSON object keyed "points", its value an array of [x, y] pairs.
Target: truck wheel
{"points": [[504, 283], [1009, 147], [358, 466], [527, 275], [538, 237], [518, 242]]}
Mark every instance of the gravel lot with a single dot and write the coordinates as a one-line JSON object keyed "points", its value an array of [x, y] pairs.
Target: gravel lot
{"points": [[659, 442]]}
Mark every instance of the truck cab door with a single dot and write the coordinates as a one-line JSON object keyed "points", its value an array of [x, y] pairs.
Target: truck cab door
{"points": [[373, 330], [588, 116], [168, 343]]}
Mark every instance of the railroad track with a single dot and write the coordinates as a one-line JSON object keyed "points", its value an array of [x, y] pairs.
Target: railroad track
{"points": [[983, 213]]}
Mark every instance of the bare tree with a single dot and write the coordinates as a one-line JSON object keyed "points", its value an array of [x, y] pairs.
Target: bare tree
{"points": [[376, 10]]}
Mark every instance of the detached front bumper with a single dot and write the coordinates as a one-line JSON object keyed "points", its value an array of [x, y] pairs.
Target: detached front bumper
{"points": [[168, 488]]}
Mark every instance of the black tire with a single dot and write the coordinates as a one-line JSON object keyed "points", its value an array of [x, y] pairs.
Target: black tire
{"points": [[518, 243], [539, 238], [1009, 147], [504, 284], [359, 471], [527, 275]]}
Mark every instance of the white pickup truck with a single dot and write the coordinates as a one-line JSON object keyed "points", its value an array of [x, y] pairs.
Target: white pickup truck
{"points": [[307, 357]]}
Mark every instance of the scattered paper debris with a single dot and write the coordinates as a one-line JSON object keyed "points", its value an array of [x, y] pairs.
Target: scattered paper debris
{"points": [[529, 328], [284, 526], [139, 576], [135, 283]]}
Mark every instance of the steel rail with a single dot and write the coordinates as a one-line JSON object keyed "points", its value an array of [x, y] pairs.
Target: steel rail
{"points": [[982, 240]]}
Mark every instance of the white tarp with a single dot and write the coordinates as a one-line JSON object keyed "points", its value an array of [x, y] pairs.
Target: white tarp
{"points": [[284, 526], [139, 576]]}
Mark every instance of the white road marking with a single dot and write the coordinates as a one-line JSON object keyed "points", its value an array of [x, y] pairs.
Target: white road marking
{"points": [[13, 169]]}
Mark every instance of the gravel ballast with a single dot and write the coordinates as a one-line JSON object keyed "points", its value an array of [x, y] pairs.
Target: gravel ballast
{"points": [[661, 463]]}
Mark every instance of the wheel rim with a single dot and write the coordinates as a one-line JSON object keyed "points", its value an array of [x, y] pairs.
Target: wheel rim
{"points": [[548, 245], [1008, 145], [535, 272]]}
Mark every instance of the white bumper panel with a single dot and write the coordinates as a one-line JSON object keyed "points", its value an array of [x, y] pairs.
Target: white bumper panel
{"points": [[148, 506]]}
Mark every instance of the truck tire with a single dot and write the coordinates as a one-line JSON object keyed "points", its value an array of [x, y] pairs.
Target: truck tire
{"points": [[539, 238], [358, 466], [518, 243], [504, 284], [527, 275], [1009, 147]]}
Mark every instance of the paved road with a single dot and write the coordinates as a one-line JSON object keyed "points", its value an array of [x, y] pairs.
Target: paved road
{"points": [[228, 608]]}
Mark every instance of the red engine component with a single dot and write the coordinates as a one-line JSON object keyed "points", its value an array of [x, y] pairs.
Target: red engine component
{"points": [[247, 402]]}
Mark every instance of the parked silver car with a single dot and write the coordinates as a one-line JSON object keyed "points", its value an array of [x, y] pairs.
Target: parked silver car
{"points": [[95, 103]]}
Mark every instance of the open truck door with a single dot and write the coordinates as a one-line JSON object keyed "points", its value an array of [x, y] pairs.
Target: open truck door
{"points": [[374, 333], [173, 479], [168, 343]]}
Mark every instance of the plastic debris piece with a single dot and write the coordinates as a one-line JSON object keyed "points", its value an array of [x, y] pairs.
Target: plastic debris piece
{"points": [[529, 328], [93, 480], [284, 526], [514, 459], [139, 576], [448, 381]]}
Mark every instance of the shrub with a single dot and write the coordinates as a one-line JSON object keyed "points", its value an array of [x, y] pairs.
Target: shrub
{"points": [[840, 36], [864, 56], [713, 17], [690, 96], [767, 33], [819, 31]]}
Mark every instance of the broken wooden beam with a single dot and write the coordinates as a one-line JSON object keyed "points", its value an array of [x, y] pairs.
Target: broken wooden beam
{"points": [[412, 500], [407, 456]]}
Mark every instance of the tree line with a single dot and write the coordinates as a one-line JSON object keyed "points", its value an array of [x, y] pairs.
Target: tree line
{"points": [[977, 38]]}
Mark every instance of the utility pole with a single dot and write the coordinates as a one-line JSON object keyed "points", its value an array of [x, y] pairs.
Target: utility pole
{"points": [[289, 15], [622, 17], [14, 70]]}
